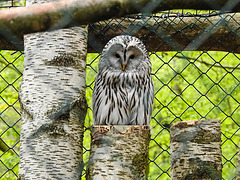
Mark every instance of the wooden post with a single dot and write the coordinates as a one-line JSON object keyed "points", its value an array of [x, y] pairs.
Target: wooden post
{"points": [[119, 152], [196, 150]]}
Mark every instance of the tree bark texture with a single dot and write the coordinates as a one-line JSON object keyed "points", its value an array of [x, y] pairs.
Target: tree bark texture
{"points": [[119, 152], [67, 13], [53, 105], [40, 17], [238, 164], [217, 33], [173, 34], [52, 98], [196, 150]]}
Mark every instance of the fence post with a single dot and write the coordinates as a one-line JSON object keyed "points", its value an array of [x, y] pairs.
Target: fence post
{"points": [[53, 104], [119, 152], [196, 150]]}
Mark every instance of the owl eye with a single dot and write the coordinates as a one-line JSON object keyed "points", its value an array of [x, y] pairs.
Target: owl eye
{"points": [[132, 57], [117, 55]]}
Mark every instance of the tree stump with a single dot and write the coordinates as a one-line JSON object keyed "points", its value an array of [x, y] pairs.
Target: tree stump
{"points": [[119, 152], [196, 150]]}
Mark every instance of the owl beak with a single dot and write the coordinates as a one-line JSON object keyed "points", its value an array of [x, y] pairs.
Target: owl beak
{"points": [[123, 67]]}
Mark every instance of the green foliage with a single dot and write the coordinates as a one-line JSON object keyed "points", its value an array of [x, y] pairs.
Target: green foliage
{"points": [[206, 92], [11, 66], [185, 89], [12, 3]]}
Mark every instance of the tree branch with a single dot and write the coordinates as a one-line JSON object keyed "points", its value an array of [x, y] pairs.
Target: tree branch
{"points": [[54, 15], [216, 33], [14, 23], [217, 64]]}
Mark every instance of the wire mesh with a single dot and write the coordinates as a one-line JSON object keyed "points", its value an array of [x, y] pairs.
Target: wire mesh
{"points": [[188, 85], [11, 67], [10, 76], [197, 84]]}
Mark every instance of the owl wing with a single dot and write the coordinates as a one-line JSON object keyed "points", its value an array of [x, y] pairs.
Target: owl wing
{"points": [[149, 98], [99, 99], [141, 100]]}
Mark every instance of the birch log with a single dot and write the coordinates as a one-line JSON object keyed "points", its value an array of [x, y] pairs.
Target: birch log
{"points": [[52, 99], [216, 33], [119, 152], [35, 18], [196, 150], [238, 164]]}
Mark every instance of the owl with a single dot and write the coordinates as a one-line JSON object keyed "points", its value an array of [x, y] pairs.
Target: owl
{"points": [[123, 93]]}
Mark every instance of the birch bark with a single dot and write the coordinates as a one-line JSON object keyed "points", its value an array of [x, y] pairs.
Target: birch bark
{"points": [[52, 99], [196, 150], [238, 164], [119, 152]]}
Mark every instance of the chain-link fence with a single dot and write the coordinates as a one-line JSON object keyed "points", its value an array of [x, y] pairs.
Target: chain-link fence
{"points": [[197, 84], [11, 68]]}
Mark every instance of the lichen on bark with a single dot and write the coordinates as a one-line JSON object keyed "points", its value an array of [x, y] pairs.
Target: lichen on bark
{"points": [[119, 152], [52, 96], [196, 150]]}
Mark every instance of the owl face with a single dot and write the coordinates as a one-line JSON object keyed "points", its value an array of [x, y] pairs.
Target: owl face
{"points": [[124, 53]]}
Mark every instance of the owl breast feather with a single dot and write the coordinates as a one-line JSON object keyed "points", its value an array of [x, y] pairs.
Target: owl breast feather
{"points": [[122, 98]]}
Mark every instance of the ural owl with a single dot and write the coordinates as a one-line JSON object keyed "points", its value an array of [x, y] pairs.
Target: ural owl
{"points": [[123, 92]]}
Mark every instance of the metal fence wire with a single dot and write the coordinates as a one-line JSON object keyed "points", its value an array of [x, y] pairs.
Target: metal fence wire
{"points": [[196, 84]]}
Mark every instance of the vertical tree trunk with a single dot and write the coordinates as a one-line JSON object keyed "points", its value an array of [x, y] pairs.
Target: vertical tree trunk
{"points": [[52, 98], [238, 164], [196, 150], [119, 152]]}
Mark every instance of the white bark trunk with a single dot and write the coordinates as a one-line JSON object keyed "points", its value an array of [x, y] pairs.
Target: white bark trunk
{"points": [[238, 164], [52, 97], [196, 150], [119, 152]]}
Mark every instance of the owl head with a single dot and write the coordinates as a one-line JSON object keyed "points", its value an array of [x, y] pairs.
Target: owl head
{"points": [[124, 54]]}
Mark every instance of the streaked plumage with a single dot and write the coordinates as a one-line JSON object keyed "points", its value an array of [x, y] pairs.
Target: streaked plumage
{"points": [[123, 92]]}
